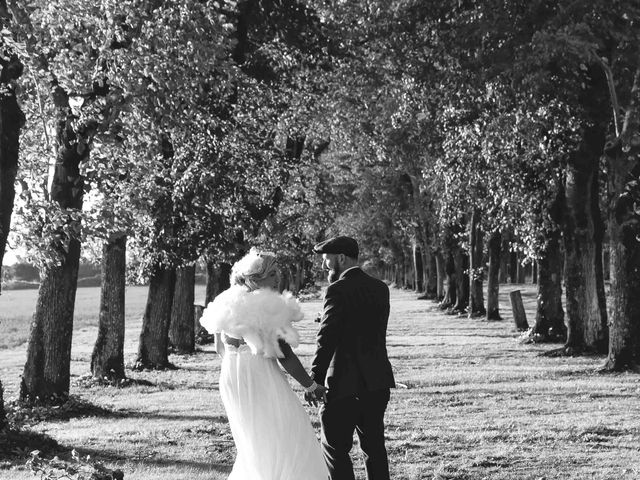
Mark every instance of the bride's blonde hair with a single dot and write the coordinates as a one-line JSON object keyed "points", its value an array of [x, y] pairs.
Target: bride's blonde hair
{"points": [[255, 265]]}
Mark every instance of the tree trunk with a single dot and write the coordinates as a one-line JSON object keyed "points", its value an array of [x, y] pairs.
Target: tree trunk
{"points": [[606, 260], [181, 330], [449, 299], [521, 271], [408, 273], [461, 262], [441, 273], [534, 272], [398, 268], [624, 251], [513, 267], [107, 359], [418, 270], [549, 324], [3, 416], [154, 337], [11, 122], [47, 369], [476, 295], [224, 281], [505, 256], [213, 280], [584, 280], [432, 275], [299, 277], [217, 279], [493, 280]]}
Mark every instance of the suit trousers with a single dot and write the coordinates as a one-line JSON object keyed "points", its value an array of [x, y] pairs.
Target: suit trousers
{"points": [[363, 413]]}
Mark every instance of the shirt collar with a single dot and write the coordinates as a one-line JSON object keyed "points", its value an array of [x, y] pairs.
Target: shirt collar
{"points": [[347, 270]]}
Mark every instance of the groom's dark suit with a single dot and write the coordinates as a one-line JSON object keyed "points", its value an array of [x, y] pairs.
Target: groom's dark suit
{"points": [[351, 360]]}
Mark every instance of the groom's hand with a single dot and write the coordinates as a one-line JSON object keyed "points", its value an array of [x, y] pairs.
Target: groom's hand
{"points": [[320, 394]]}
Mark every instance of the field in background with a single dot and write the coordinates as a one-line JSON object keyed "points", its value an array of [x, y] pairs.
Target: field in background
{"points": [[17, 308], [473, 402]]}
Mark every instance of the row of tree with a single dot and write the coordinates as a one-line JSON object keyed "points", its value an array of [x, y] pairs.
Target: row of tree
{"points": [[482, 120], [168, 129], [439, 133]]}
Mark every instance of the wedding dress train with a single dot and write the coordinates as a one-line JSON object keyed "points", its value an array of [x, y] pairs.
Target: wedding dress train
{"points": [[271, 429]]}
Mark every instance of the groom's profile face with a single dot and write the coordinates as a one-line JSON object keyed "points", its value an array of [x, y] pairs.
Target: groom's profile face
{"points": [[331, 262]]}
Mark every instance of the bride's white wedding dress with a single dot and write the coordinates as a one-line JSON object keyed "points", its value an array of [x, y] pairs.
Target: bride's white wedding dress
{"points": [[271, 429]]}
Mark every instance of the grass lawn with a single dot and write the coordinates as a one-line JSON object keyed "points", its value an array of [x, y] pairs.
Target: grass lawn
{"points": [[473, 402]]}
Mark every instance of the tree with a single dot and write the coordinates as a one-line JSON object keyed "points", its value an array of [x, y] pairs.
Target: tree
{"points": [[11, 122], [623, 156], [46, 373]]}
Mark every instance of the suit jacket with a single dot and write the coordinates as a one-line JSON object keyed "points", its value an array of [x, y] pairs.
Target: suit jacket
{"points": [[351, 355]]}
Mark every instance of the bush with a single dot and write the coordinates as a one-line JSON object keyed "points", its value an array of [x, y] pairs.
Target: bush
{"points": [[20, 285], [25, 272], [94, 281], [88, 269]]}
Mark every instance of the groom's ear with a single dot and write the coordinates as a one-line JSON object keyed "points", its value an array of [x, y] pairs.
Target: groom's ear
{"points": [[342, 258]]}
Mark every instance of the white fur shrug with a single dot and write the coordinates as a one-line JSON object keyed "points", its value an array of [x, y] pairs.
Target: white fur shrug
{"points": [[260, 317]]}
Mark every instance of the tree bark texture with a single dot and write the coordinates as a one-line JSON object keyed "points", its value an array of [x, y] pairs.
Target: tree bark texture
{"points": [[624, 250], [46, 372], [549, 325], [521, 271], [224, 280], [493, 280], [211, 290], [476, 273], [505, 256], [513, 267], [181, 330], [584, 281], [418, 269], [441, 273], [449, 299], [407, 271], [3, 416], [11, 122], [154, 337], [218, 279], [107, 359], [461, 262], [432, 275]]}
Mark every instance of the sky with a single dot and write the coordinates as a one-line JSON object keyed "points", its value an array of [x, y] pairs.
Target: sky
{"points": [[9, 257]]}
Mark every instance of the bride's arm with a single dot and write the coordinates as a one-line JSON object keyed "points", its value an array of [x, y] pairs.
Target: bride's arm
{"points": [[291, 363], [219, 344]]}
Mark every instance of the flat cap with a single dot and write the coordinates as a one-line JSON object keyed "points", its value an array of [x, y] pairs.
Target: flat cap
{"points": [[345, 245]]}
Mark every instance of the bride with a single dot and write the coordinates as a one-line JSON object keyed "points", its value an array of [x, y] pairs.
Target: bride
{"points": [[252, 322]]}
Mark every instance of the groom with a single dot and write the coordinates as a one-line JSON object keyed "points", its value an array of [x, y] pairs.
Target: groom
{"points": [[351, 361]]}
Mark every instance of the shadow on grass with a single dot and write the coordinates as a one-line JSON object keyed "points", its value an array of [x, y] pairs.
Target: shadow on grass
{"points": [[149, 458], [89, 383], [162, 416], [19, 413], [17, 443]]}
